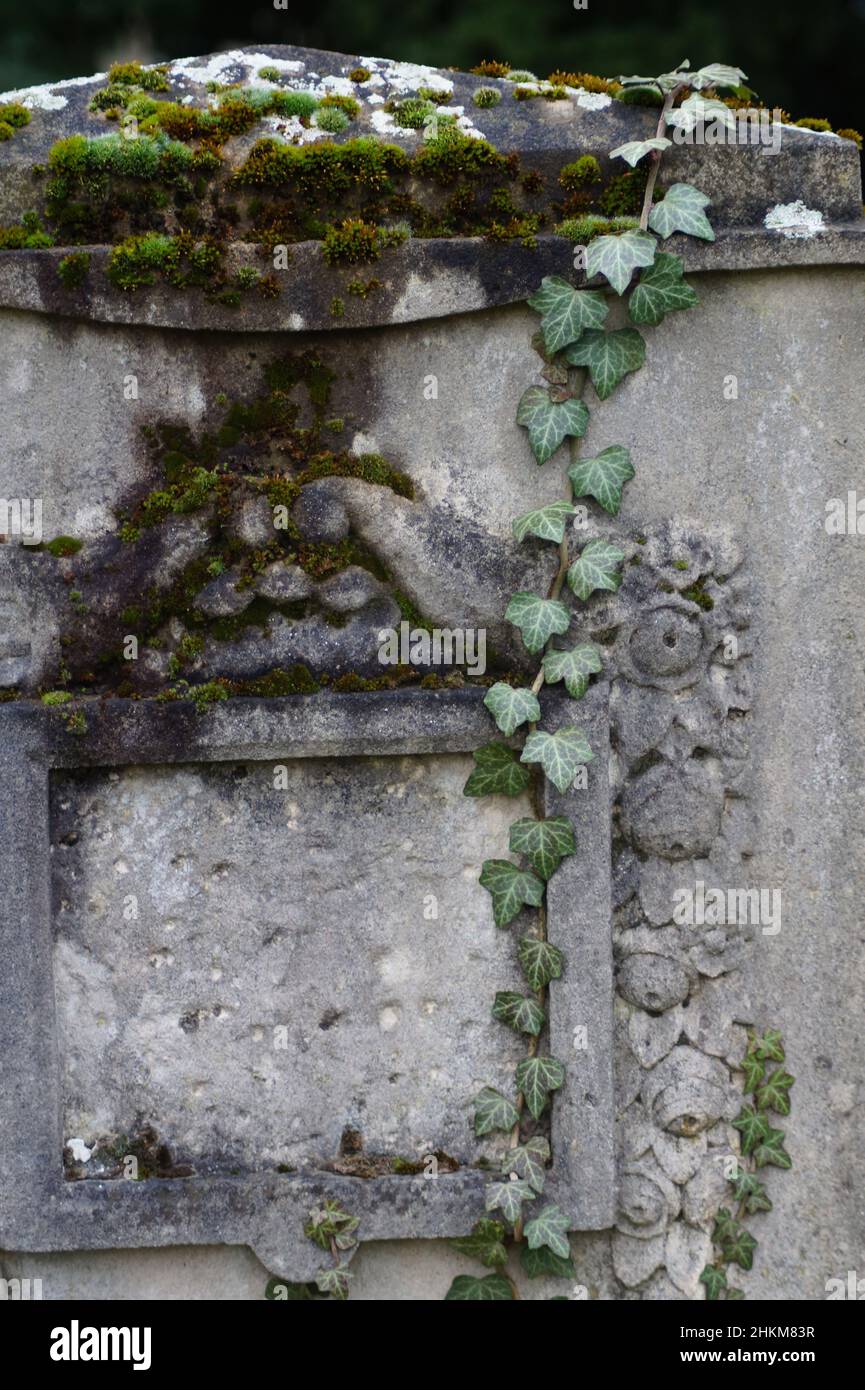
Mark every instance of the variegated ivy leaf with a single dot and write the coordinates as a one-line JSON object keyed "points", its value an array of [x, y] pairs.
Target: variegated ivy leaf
{"points": [[573, 667], [537, 618], [738, 1246], [510, 708], [508, 1197], [559, 754], [548, 421], [566, 311], [521, 1012], [485, 1243], [773, 1094], [498, 771], [493, 1111], [537, 1077], [660, 289], [596, 568], [549, 1228], [697, 110], [717, 75], [770, 1047], [634, 150], [546, 522], [544, 842], [617, 257], [716, 1282], [682, 211], [334, 1281], [529, 1161], [608, 356], [511, 889], [770, 1149], [542, 1261], [540, 960], [750, 1191], [603, 477], [494, 1288], [327, 1222], [752, 1127]]}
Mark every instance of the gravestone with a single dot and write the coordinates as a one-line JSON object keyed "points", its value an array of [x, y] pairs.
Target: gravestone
{"points": [[243, 940]]}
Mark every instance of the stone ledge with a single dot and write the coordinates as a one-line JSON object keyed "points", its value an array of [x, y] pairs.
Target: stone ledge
{"points": [[423, 279]]}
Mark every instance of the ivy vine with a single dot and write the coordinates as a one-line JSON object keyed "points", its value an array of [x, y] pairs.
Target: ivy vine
{"points": [[576, 345]]}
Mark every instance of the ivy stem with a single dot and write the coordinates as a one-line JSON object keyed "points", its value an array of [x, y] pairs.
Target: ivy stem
{"points": [[577, 383], [655, 158]]}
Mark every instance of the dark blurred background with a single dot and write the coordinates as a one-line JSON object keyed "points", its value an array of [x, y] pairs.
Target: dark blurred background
{"points": [[805, 57]]}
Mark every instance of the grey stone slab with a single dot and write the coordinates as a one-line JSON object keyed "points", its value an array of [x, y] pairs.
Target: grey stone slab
{"points": [[48, 1050]]}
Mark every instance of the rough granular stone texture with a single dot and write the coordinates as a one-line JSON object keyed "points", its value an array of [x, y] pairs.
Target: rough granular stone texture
{"points": [[199, 911]]}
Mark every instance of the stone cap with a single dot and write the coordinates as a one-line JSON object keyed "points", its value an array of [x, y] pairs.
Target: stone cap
{"points": [[810, 182]]}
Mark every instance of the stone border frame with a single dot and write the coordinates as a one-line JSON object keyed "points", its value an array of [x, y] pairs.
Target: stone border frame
{"points": [[40, 1210]]}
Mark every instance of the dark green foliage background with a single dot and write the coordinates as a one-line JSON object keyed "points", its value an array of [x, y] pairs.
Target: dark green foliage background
{"points": [[804, 57]]}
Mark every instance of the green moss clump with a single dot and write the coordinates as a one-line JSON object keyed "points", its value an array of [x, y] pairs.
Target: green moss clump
{"points": [[520, 75], [623, 195], [337, 307], [582, 230], [63, 546], [359, 74], [56, 697], [411, 113], [697, 594], [371, 468], [814, 123], [205, 696], [27, 235], [451, 155], [352, 242], [640, 96], [486, 96], [332, 120], [72, 270], [134, 75], [12, 117], [586, 169], [336, 102], [297, 680], [268, 74], [849, 134], [183, 261], [586, 80], [490, 67]]}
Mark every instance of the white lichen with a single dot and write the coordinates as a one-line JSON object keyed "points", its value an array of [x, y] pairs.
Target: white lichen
{"points": [[48, 97], [794, 220], [593, 101], [79, 1150]]}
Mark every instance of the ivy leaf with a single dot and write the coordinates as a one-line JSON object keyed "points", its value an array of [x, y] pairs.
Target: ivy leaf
{"points": [[542, 1261], [738, 1246], [734, 1294], [541, 962], [329, 1222], [633, 150], [529, 1162], [681, 211], [617, 257], [566, 311], [537, 618], [520, 1011], [334, 1281], [770, 1149], [493, 1111], [508, 1197], [773, 1094], [547, 522], [597, 568], [608, 356], [660, 290], [696, 110], [754, 1070], [717, 75], [549, 1228], [548, 421], [498, 770], [544, 842], [770, 1048], [748, 1189], [493, 1288], [511, 889], [485, 1243], [752, 1127], [559, 754], [603, 477], [715, 1281], [537, 1077], [725, 1222], [573, 667], [510, 708]]}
